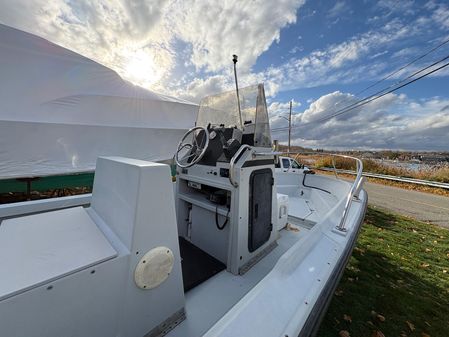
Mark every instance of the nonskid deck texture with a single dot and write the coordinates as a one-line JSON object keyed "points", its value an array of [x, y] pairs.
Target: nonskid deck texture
{"points": [[209, 301]]}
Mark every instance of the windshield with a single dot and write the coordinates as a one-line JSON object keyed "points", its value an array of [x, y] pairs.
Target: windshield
{"points": [[222, 109]]}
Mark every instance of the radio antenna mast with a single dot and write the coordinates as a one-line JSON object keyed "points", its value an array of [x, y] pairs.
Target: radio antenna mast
{"points": [[234, 59]]}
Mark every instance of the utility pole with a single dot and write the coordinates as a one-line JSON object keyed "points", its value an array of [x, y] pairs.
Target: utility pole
{"points": [[289, 126]]}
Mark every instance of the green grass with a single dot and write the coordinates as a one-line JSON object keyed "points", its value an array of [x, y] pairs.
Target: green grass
{"points": [[399, 270]]}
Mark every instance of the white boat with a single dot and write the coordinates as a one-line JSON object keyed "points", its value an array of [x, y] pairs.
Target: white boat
{"points": [[231, 249]]}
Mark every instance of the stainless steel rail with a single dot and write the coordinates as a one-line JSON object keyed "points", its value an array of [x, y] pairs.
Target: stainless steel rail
{"points": [[355, 186], [393, 178], [232, 163]]}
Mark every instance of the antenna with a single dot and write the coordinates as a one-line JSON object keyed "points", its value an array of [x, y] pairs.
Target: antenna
{"points": [[234, 59]]}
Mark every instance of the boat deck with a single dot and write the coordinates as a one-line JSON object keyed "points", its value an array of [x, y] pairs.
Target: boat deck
{"points": [[208, 302]]}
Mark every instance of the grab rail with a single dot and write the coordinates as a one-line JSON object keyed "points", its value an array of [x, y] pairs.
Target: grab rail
{"points": [[355, 186], [232, 163]]}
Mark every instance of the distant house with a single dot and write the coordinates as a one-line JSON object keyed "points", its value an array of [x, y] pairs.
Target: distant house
{"points": [[434, 158]]}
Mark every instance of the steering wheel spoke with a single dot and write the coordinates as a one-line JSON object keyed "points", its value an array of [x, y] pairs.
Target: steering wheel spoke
{"points": [[196, 150]]}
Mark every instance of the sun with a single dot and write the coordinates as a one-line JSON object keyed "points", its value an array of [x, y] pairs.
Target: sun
{"points": [[141, 69]]}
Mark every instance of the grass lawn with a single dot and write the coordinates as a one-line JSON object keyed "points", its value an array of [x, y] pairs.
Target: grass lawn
{"points": [[396, 282]]}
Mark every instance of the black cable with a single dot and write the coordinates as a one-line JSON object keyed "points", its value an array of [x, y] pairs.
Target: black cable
{"points": [[221, 227], [395, 72]]}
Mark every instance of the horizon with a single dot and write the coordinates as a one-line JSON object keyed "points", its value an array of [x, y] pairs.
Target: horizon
{"points": [[317, 54]]}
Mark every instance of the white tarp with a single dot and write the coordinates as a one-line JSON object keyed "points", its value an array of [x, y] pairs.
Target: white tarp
{"points": [[59, 111]]}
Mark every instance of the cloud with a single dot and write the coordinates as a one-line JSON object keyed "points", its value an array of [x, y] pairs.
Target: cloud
{"points": [[119, 33], [245, 28], [392, 122], [339, 8]]}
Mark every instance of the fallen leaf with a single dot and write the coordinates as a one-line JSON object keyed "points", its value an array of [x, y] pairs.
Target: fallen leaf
{"points": [[403, 334], [292, 228], [377, 333], [381, 318], [423, 334], [444, 271], [350, 279], [428, 250], [344, 333], [427, 323], [373, 313], [411, 326], [339, 292], [347, 318], [424, 265]]}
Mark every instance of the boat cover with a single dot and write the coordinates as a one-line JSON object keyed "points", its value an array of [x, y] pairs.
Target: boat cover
{"points": [[59, 111]]}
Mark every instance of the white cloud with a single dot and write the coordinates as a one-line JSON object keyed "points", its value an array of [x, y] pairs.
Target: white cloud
{"points": [[218, 30], [125, 34], [441, 15], [392, 122], [338, 9]]}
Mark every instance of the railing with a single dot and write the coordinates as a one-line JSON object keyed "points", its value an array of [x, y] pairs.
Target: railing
{"points": [[354, 188], [394, 178], [232, 163]]}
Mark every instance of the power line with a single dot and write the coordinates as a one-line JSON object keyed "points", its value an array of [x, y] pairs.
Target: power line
{"points": [[389, 76], [381, 94]]}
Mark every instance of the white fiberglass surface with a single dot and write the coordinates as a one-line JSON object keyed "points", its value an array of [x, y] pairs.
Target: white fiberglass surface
{"points": [[208, 302]]}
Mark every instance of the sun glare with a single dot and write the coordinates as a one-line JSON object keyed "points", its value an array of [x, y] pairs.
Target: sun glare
{"points": [[141, 69]]}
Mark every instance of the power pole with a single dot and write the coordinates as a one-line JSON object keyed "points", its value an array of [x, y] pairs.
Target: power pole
{"points": [[289, 126]]}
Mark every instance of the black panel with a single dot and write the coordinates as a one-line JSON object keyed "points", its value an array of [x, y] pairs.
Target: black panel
{"points": [[197, 265], [248, 139], [224, 172], [260, 195], [214, 151], [258, 162]]}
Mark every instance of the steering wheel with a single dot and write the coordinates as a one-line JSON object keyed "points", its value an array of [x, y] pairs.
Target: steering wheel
{"points": [[190, 153]]}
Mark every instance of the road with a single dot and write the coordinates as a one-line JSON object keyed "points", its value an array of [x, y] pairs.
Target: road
{"points": [[419, 205]]}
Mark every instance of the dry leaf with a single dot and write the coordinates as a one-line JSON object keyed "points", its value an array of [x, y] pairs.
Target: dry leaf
{"points": [[347, 318], [411, 326], [428, 250], [444, 271], [423, 334], [377, 333], [427, 323], [339, 292], [424, 265], [381, 318], [403, 334], [292, 228], [344, 333], [350, 279]]}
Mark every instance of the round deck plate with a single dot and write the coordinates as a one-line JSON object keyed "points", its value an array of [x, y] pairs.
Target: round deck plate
{"points": [[154, 268]]}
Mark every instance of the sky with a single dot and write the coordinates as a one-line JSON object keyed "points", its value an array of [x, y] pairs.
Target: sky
{"points": [[320, 54]]}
